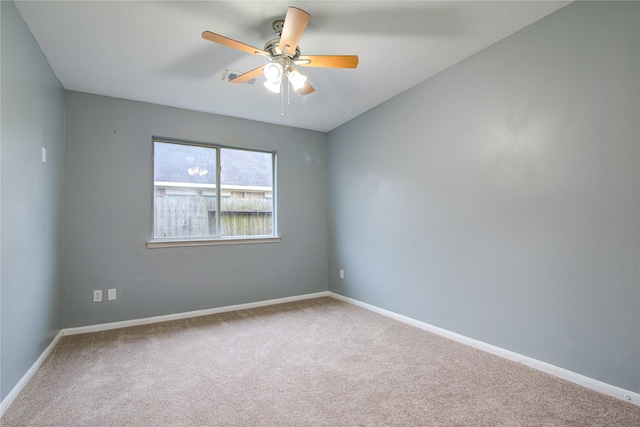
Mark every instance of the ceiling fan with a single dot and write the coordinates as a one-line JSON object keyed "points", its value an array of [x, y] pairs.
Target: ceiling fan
{"points": [[283, 54]]}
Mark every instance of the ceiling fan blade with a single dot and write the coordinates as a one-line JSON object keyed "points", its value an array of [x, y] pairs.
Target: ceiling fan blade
{"points": [[328, 61], [306, 89], [294, 24], [226, 41], [245, 77]]}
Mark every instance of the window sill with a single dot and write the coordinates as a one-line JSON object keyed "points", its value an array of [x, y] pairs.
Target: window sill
{"points": [[155, 244]]}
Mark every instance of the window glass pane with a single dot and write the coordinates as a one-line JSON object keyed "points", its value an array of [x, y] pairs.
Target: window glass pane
{"points": [[246, 193], [184, 190]]}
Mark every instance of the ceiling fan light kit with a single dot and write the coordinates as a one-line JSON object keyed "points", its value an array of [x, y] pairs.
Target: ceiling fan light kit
{"points": [[284, 56], [296, 79], [273, 86], [273, 72]]}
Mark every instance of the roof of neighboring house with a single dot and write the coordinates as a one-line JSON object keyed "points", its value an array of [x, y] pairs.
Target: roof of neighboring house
{"points": [[197, 165]]}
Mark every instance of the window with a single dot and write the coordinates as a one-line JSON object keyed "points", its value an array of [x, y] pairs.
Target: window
{"points": [[189, 205]]}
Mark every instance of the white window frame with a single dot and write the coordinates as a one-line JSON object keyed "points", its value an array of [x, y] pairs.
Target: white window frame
{"points": [[154, 243]]}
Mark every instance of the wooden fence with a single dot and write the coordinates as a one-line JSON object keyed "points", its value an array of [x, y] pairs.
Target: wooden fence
{"points": [[195, 216]]}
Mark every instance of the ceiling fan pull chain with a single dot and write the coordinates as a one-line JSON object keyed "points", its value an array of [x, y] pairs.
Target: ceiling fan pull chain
{"points": [[281, 100]]}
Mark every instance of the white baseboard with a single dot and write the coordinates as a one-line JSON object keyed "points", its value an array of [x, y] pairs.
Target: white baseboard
{"points": [[186, 315], [590, 383], [25, 379]]}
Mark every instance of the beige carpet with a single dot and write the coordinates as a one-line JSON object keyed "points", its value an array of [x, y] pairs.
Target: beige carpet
{"points": [[318, 362]]}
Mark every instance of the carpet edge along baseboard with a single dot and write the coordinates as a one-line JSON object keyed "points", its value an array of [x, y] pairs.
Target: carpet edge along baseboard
{"points": [[587, 382]]}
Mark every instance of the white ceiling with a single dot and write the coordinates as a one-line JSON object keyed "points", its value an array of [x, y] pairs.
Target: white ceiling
{"points": [[152, 51]]}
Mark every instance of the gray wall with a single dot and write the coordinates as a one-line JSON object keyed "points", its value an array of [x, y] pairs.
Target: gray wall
{"points": [[500, 198], [31, 198], [108, 215]]}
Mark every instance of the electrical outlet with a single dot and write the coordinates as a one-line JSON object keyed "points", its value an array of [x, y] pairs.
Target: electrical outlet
{"points": [[111, 294], [342, 274], [44, 155], [97, 296]]}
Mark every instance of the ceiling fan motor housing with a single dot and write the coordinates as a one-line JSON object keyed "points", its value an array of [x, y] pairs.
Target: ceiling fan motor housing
{"points": [[272, 47]]}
